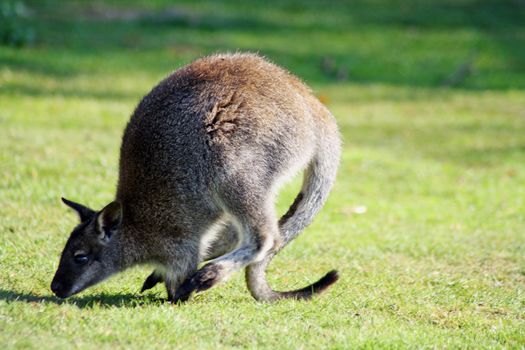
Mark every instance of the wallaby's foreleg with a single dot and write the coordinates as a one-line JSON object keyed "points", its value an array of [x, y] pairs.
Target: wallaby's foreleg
{"points": [[174, 287], [177, 271], [153, 279], [172, 280], [228, 240], [259, 232]]}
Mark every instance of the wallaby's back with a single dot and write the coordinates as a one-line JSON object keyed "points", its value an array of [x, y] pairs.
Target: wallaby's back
{"points": [[223, 113]]}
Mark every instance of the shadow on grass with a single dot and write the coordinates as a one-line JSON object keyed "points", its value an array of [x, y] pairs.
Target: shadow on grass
{"points": [[103, 300]]}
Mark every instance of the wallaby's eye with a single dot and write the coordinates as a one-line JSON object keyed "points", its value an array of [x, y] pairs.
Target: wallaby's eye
{"points": [[81, 259]]}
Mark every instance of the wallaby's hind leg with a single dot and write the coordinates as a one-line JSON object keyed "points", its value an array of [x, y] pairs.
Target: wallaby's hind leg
{"points": [[318, 180], [258, 234], [226, 241]]}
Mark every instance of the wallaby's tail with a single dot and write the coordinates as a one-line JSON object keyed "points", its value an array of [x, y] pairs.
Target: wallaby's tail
{"points": [[318, 180]]}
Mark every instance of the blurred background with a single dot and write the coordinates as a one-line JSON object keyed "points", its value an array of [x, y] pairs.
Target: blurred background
{"points": [[472, 44]]}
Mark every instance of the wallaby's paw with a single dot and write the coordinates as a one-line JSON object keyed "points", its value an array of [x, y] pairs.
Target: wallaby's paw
{"points": [[183, 293], [151, 281], [179, 299]]}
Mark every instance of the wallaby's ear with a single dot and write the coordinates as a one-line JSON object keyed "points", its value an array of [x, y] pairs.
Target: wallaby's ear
{"points": [[83, 212], [109, 220]]}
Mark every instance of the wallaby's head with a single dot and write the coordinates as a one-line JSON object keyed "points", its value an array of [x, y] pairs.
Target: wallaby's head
{"points": [[91, 253]]}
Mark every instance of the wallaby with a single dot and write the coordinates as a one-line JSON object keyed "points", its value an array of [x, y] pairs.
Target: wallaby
{"points": [[201, 161]]}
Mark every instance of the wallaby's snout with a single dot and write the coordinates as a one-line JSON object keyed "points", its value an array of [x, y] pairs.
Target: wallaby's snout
{"points": [[69, 280], [60, 289]]}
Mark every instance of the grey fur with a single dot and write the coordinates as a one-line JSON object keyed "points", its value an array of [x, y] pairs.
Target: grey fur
{"points": [[210, 145]]}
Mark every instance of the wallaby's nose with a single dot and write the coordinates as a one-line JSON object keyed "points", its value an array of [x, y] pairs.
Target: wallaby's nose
{"points": [[56, 286]]}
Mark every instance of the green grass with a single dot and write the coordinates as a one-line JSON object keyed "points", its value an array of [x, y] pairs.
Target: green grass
{"points": [[437, 260]]}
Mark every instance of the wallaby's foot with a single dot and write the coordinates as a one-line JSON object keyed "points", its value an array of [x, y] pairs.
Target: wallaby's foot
{"points": [[207, 277], [204, 279], [153, 279]]}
